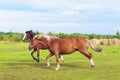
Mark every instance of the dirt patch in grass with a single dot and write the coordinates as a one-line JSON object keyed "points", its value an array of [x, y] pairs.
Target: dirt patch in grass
{"points": [[7, 77], [15, 67]]}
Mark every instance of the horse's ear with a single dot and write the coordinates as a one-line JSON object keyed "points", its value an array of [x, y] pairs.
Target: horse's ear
{"points": [[32, 31]]}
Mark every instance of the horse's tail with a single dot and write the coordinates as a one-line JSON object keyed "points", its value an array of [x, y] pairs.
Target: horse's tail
{"points": [[92, 46]]}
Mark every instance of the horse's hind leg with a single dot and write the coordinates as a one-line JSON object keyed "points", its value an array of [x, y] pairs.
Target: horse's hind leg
{"points": [[89, 56], [61, 57], [47, 59]]}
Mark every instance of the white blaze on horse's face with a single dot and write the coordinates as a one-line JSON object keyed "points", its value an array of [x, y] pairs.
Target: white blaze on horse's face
{"points": [[24, 36]]}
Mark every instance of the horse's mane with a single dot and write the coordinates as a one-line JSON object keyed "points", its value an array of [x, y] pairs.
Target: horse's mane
{"points": [[44, 36]]}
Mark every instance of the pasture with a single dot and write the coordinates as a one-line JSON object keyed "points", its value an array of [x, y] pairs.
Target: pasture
{"points": [[16, 63]]}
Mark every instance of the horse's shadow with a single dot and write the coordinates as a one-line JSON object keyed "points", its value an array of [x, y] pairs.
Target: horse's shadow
{"points": [[73, 65], [27, 63], [43, 64]]}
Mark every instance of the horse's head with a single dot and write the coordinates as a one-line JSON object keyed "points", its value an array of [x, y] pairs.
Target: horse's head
{"points": [[28, 35]]}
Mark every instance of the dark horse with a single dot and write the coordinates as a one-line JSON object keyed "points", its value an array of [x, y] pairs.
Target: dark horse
{"points": [[30, 35], [58, 46]]}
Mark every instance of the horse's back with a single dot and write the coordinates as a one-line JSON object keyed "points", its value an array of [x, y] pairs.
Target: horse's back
{"points": [[81, 42], [73, 41]]}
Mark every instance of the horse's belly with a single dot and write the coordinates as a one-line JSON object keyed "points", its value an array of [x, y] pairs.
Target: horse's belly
{"points": [[67, 50]]}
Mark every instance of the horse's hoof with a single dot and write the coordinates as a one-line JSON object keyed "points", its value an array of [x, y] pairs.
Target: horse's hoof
{"points": [[92, 66], [57, 68], [37, 61], [48, 65]]}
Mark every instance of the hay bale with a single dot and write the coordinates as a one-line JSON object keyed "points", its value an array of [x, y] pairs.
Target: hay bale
{"points": [[94, 41], [115, 41], [105, 41]]}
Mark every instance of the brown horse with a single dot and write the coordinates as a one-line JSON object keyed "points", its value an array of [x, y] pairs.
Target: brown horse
{"points": [[58, 46], [30, 35]]}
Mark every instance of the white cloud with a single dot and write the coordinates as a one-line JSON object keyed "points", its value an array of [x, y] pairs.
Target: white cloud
{"points": [[53, 14], [64, 4]]}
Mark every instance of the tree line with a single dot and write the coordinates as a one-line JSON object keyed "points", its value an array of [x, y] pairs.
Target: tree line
{"points": [[11, 36]]}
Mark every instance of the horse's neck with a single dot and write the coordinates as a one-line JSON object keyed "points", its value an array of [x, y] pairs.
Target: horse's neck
{"points": [[48, 41], [45, 38], [53, 39], [31, 36]]}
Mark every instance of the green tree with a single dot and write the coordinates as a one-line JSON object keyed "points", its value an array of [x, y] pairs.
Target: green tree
{"points": [[117, 33]]}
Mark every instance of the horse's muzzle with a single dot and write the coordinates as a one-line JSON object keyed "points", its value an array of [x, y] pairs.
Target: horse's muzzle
{"points": [[30, 47]]}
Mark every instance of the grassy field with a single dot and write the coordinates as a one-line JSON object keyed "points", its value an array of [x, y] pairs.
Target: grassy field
{"points": [[16, 63]]}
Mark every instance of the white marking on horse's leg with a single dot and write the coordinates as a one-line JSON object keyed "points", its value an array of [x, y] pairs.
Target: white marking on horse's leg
{"points": [[24, 36], [62, 58], [48, 63], [59, 59], [58, 67], [91, 64]]}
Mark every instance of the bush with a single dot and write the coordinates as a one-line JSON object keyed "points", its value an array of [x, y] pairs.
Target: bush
{"points": [[10, 36]]}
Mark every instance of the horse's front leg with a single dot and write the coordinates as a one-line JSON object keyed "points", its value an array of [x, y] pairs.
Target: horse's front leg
{"points": [[34, 50], [58, 61], [47, 59], [38, 55]]}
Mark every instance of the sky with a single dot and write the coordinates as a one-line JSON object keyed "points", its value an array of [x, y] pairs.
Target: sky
{"points": [[66, 16]]}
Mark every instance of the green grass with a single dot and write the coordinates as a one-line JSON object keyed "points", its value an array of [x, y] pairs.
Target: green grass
{"points": [[16, 63]]}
